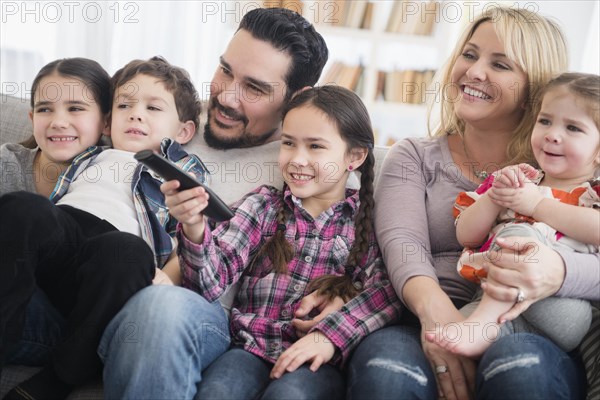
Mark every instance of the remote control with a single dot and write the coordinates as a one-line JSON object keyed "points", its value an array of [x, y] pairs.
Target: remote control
{"points": [[217, 209]]}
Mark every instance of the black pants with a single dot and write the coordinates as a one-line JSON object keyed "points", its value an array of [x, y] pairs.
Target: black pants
{"points": [[85, 266]]}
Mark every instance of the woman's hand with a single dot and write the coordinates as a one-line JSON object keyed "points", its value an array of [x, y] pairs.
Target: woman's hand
{"points": [[315, 348], [309, 303], [426, 299], [186, 207], [458, 381], [524, 264]]}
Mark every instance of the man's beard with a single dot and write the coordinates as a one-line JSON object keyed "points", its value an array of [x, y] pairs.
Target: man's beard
{"points": [[245, 139]]}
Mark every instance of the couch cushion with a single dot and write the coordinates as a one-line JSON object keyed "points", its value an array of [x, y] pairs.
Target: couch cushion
{"points": [[15, 125]]}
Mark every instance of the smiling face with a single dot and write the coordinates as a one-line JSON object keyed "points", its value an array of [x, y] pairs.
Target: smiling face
{"points": [[490, 88], [247, 94], [143, 114], [314, 158], [565, 139], [66, 118]]}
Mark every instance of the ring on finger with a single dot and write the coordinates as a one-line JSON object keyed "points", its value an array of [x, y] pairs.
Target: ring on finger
{"points": [[440, 369], [520, 296]]}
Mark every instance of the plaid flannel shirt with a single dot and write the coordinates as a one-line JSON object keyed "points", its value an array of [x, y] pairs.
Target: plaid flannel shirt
{"points": [[266, 301], [157, 226]]}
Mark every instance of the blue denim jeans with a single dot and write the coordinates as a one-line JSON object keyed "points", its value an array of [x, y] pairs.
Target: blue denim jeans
{"points": [[159, 343], [43, 329], [239, 374], [390, 363]]}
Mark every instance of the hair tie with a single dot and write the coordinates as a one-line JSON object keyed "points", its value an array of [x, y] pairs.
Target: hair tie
{"points": [[281, 227]]}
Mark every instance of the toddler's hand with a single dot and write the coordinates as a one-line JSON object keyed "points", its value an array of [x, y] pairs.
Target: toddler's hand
{"points": [[522, 200], [514, 176], [530, 172]]}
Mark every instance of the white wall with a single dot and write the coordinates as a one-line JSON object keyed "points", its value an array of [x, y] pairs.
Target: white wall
{"points": [[191, 34], [579, 21]]}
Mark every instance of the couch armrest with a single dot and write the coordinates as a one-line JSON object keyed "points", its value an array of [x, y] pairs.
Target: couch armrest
{"points": [[15, 125]]}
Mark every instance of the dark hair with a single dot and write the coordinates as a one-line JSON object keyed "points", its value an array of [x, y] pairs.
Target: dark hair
{"points": [[176, 80], [288, 31], [95, 78], [346, 110]]}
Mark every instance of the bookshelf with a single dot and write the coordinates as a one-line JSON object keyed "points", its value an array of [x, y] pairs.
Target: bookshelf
{"points": [[387, 52]]}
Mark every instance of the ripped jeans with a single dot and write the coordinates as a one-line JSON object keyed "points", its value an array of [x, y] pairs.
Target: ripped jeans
{"points": [[390, 364]]}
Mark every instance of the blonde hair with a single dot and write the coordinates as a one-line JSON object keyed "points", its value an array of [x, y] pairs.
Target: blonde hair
{"points": [[536, 44]]}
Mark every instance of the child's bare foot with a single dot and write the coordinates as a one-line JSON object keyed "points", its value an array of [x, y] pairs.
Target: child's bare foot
{"points": [[468, 338]]}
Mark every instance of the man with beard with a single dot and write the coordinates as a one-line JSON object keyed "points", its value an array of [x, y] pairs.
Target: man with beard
{"points": [[163, 338], [260, 70]]}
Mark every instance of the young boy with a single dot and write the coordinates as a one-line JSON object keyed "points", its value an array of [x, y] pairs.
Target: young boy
{"points": [[109, 227]]}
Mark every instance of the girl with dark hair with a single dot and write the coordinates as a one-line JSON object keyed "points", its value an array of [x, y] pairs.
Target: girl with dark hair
{"points": [[77, 91], [70, 102], [283, 244]]}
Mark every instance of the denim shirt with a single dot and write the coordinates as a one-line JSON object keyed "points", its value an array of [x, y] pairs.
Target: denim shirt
{"points": [[157, 225]]}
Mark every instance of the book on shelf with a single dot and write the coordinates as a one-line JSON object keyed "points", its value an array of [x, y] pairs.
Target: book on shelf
{"points": [[368, 16], [380, 86], [413, 18], [335, 13], [332, 73], [348, 76], [403, 86], [355, 14], [359, 89]]}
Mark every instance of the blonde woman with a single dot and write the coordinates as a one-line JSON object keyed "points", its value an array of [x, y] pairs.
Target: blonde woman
{"points": [[488, 86]]}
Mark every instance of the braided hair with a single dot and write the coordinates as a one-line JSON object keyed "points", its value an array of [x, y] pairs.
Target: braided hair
{"points": [[346, 110]]}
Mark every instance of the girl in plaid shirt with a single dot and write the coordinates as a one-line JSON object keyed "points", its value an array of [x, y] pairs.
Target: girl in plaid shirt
{"points": [[281, 245]]}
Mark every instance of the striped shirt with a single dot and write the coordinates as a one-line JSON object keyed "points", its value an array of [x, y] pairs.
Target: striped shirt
{"points": [[266, 301]]}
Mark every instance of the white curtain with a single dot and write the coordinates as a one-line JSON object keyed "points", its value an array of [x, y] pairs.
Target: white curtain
{"points": [[190, 34]]}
